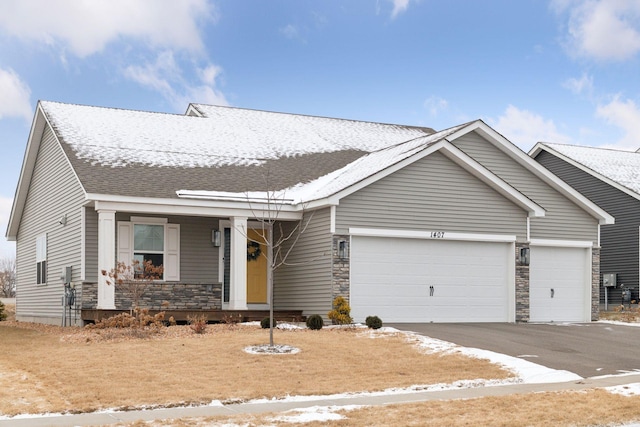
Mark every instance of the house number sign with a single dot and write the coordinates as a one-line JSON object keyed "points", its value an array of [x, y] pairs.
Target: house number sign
{"points": [[437, 235]]}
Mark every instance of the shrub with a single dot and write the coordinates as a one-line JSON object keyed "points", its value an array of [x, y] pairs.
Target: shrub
{"points": [[231, 319], [315, 322], [3, 314], [265, 323], [373, 322], [341, 313], [140, 319], [198, 323]]}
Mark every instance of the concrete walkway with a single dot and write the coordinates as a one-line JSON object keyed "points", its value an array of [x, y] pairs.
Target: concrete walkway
{"points": [[105, 418]]}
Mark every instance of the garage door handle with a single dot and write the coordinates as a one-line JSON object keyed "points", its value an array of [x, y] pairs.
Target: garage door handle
{"points": [[431, 289], [552, 292]]}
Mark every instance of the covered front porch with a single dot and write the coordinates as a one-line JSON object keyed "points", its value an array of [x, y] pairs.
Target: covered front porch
{"points": [[214, 258]]}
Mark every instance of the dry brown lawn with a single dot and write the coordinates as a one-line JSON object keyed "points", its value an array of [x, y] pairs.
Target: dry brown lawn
{"points": [[587, 408], [51, 369]]}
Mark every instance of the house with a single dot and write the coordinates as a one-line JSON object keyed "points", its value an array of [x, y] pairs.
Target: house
{"points": [[407, 223], [610, 179]]}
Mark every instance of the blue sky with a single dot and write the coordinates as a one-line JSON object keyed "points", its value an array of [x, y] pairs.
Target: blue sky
{"points": [[563, 71]]}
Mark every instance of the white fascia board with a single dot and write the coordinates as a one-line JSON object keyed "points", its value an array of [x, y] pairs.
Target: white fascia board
{"points": [[431, 235], [26, 173], [536, 168], [562, 243], [191, 207], [457, 156], [40, 122], [540, 146], [492, 180]]}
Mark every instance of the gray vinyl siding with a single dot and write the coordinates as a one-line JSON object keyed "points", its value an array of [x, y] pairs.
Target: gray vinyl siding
{"points": [[563, 219], [305, 284], [90, 245], [54, 191], [198, 257], [432, 194], [619, 241]]}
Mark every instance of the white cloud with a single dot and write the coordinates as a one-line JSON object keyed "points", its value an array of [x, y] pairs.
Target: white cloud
{"points": [[602, 29], [14, 101], [399, 6], [578, 86], [289, 31], [624, 114], [86, 27], [7, 249], [525, 128], [165, 75], [435, 105]]}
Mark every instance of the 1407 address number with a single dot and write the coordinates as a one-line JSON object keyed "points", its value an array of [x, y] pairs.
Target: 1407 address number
{"points": [[437, 235]]}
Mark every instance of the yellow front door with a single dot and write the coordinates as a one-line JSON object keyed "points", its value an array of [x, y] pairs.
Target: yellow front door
{"points": [[256, 268]]}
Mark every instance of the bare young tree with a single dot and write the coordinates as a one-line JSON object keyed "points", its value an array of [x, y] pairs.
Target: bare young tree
{"points": [[278, 242], [8, 277], [132, 280]]}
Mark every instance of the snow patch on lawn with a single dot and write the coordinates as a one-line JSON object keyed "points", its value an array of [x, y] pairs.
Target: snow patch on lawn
{"points": [[315, 413], [271, 349], [632, 389], [526, 371]]}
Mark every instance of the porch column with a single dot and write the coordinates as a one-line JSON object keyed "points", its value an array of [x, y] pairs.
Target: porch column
{"points": [[238, 268], [106, 257]]}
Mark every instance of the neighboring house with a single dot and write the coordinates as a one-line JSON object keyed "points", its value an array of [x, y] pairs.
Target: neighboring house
{"points": [[610, 178], [409, 224]]}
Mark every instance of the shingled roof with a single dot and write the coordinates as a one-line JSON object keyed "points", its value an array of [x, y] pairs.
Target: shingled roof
{"points": [[211, 148], [621, 167]]}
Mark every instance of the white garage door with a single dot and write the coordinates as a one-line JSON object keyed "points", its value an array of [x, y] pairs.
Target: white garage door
{"points": [[414, 280], [560, 284]]}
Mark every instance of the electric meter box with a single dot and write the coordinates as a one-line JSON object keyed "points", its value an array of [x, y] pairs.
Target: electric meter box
{"points": [[609, 280]]}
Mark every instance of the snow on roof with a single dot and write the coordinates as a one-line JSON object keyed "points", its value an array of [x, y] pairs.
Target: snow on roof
{"points": [[335, 181], [620, 166], [222, 136]]}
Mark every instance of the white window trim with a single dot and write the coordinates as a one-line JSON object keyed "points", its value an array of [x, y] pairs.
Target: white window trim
{"points": [[138, 220], [41, 255]]}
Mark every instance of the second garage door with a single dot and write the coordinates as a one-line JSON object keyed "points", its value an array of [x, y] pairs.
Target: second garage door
{"points": [[417, 280], [560, 284]]}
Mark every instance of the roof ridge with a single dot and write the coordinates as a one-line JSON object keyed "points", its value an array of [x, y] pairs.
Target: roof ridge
{"points": [[423, 128], [617, 150]]}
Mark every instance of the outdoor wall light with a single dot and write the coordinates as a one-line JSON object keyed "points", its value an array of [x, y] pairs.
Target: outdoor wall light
{"points": [[524, 256], [63, 220], [216, 238], [343, 249]]}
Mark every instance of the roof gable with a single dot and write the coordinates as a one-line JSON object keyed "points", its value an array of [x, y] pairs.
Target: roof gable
{"points": [[618, 168], [527, 162], [32, 149]]}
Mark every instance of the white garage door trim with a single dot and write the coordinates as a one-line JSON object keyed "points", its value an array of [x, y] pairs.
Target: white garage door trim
{"points": [[508, 263], [538, 283], [419, 234]]}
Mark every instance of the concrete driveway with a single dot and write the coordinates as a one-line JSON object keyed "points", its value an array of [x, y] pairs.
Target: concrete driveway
{"points": [[587, 349]]}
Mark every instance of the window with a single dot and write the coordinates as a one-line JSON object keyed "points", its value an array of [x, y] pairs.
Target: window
{"points": [[150, 239], [41, 259], [148, 244]]}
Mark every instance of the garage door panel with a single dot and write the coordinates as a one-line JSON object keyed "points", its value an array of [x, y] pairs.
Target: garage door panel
{"points": [[559, 284], [469, 280]]}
